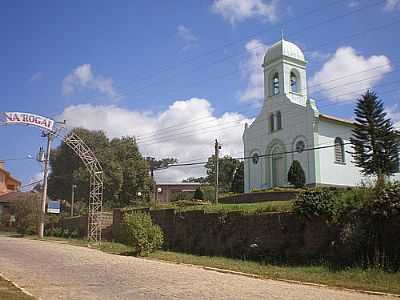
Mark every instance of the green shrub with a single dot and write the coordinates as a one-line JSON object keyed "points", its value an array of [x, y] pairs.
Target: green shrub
{"points": [[138, 231], [198, 194], [27, 212], [179, 196], [386, 204], [296, 175], [208, 193], [74, 234], [314, 203]]}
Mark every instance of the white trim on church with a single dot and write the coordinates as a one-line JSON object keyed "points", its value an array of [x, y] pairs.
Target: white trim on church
{"points": [[290, 122]]}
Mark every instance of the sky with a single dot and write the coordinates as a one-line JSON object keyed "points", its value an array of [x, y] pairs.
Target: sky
{"points": [[179, 74]]}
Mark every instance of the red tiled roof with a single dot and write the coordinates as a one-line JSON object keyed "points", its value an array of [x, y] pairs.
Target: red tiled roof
{"points": [[14, 196]]}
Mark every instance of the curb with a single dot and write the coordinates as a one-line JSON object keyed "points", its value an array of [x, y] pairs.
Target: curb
{"points": [[18, 287], [318, 285]]}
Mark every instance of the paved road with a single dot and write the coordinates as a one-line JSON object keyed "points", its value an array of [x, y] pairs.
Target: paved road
{"points": [[58, 271]]}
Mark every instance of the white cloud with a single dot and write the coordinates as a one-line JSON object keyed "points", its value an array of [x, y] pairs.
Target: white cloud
{"points": [[187, 36], [37, 76], [353, 4], [393, 112], [193, 138], [391, 5], [347, 74], [253, 72], [318, 55], [83, 78], [239, 10]]}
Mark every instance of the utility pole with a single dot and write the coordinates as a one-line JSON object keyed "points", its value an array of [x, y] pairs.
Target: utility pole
{"points": [[73, 199], [216, 155], [151, 160], [49, 136]]}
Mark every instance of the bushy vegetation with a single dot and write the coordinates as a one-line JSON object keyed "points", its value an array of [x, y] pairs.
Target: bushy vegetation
{"points": [[314, 203], [366, 219], [243, 208], [60, 232], [27, 214], [198, 194], [296, 175], [137, 230]]}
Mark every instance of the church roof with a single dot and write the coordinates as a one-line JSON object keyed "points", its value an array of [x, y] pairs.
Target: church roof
{"points": [[281, 49], [336, 119]]}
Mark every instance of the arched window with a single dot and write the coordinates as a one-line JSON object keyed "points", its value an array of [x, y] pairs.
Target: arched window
{"points": [[300, 145], [339, 150], [278, 120], [275, 84], [272, 122], [293, 82], [255, 158]]}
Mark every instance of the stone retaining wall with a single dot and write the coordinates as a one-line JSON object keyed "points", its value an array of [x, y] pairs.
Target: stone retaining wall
{"points": [[278, 235]]}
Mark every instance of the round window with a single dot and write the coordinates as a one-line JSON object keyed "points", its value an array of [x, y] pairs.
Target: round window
{"points": [[255, 158], [300, 146]]}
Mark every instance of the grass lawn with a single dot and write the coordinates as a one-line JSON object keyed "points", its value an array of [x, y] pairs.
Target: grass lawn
{"points": [[353, 278], [11, 292], [245, 208]]}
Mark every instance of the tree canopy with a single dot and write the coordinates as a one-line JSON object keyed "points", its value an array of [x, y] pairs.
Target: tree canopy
{"points": [[374, 140], [125, 170], [230, 177]]}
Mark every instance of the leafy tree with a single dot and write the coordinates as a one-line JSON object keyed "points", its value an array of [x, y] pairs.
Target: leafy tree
{"points": [[374, 140], [238, 179], [125, 170], [296, 174], [164, 162], [227, 168], [198, 194], [195, 179]]}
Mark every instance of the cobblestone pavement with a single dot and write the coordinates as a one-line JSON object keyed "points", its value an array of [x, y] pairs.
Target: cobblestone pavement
{"points": [[57, 271]]}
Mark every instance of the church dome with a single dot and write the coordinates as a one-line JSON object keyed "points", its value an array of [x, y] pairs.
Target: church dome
{"points": [[283, 48]]}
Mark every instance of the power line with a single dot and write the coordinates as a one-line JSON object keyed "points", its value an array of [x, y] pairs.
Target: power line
{"points": [[310, 86], [172, 137], [228, 44], [250, 157], [30, 184], [335, 79], [162, 135], [16, 158], [307, 28]]}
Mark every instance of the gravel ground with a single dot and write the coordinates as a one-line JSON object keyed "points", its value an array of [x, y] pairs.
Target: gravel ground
{"points": [[51, 270]]}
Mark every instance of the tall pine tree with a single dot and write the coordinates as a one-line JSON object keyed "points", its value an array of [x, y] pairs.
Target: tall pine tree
{"points": [[374, 140]]}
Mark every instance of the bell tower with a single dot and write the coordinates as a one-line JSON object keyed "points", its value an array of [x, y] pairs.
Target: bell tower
{"points": [[285, 73]]}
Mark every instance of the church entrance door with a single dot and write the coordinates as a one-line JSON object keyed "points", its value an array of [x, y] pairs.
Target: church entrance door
{"points": [[277, 163]]}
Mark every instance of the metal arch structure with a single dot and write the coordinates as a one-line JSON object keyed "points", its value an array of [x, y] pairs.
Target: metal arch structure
{"points": [[92, 164], [84, 152]]}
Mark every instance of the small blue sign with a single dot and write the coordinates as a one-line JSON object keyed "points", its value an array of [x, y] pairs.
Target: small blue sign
{"points": [[53, 207]]}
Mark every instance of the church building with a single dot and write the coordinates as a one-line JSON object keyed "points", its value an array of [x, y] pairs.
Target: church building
{"points": [[290, 124]]}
